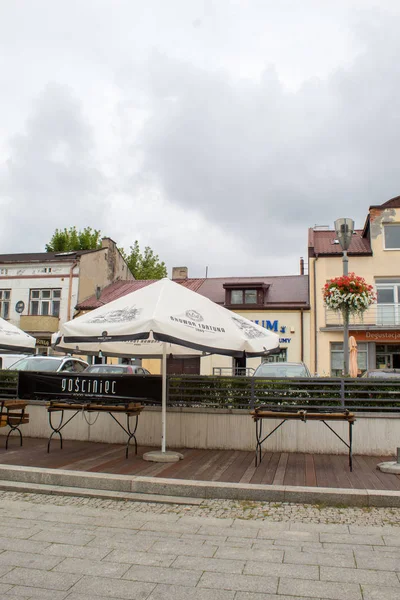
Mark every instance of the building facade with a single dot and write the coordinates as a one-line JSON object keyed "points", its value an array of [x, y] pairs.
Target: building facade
{"points": [[375, 255], [39, 291], [279, 304]]}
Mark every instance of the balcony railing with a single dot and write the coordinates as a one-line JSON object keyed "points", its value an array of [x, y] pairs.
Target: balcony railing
{"points": [[379, 315]]}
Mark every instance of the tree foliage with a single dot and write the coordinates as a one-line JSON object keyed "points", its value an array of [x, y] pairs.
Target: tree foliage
{"points": [[68, 240], [144, 265]]}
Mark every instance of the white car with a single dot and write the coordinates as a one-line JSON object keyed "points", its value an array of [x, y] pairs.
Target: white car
{"points": [[55, 364]]}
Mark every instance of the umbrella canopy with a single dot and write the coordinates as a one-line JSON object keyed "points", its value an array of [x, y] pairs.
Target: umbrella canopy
{"points": [[173, 314], [14, 339], [353, 366]]}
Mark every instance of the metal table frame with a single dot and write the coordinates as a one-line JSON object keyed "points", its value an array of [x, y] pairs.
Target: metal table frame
{"points": [[259, 415], [129, 410]]}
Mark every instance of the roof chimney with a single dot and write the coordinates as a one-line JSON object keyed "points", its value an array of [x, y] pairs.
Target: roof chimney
{"points": [[301, 265], [179, 272]]}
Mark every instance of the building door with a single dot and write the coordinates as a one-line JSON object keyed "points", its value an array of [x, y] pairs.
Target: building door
{"points": [[396, 361], [239, 366], [183, 366]]}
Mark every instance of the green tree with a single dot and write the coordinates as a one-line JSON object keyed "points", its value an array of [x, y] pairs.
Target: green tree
{"points": [[68, 240], [144, 265]]}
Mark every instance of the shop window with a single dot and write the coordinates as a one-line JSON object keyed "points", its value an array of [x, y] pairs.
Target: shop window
{"points": [[387, 356], [5, 303], [45, 302], [337, 358]]}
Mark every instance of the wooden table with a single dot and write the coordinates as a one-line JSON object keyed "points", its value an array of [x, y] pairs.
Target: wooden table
{"points": [[259, 414], [129, 409], [12, 413]]}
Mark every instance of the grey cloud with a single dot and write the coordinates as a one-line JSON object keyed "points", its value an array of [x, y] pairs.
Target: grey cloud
{"points": [[49, 179], [263, 161]]}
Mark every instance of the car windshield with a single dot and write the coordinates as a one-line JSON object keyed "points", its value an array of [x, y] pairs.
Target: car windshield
{"points": [[36, 364], [107, 369], [280, 370]]}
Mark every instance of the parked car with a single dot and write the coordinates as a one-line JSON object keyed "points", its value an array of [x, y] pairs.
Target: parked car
{"points": [[282, 369], [55, 364], [117, 370], [383, 373], [6, 360]]}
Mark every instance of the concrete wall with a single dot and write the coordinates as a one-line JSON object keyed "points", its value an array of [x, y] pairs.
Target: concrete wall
{"points": [[223, 429]]}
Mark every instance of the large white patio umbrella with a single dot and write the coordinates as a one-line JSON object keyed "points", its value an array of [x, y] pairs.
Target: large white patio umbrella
{"points": [[13, 339], [171, 314]]}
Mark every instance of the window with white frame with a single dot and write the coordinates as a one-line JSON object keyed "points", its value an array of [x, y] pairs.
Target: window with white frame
{"points": [[337, 358], [5, 296], [45, 302], [388, 300], [392, 236]]}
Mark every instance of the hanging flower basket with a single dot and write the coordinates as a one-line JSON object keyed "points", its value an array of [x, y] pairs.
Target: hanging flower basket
{"points": [[349, 294]]}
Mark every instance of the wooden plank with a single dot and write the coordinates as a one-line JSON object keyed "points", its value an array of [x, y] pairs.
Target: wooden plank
{"points": [[222, 468], [260, 470], [270, 471], [320, 471], [295, 470], [182, 471], [341, 471], [236, 470], [387, 481], [281, 470], [311, 479]]}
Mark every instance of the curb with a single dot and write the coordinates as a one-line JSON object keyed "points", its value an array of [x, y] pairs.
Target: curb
{"points": [[136, 488]]}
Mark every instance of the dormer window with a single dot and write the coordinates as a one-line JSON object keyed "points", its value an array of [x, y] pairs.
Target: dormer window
{"points": [[244, 295]]}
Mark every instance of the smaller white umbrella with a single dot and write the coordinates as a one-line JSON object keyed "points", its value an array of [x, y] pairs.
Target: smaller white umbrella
{"points": [[13, 339]]}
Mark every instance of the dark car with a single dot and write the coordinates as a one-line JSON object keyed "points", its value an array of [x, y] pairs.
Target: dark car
{"points": [[282, 369], [383, 373], [117, 370], [55, 364]]}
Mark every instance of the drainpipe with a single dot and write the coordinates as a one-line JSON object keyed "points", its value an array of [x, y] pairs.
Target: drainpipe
{"points": [[74, 264], [302, 335], [315, 315]]}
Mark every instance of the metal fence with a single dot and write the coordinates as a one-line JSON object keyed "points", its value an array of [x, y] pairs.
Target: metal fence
{"points": [[216, 392], [319, 393]]}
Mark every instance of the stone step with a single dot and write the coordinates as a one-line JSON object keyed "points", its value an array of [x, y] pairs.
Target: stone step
{"points": [[60, 490]]}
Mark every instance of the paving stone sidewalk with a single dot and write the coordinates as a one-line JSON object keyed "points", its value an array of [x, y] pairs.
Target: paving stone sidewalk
{"points": [[77, 549]]}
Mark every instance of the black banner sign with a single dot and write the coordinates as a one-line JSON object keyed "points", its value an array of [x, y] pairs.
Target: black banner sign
{"points": [[106, 389]]}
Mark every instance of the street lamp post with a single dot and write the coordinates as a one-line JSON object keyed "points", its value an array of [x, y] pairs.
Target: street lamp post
{"points": [[344, 231]]}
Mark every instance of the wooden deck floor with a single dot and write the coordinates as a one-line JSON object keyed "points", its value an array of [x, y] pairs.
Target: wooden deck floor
{"points": [[276, 468]]}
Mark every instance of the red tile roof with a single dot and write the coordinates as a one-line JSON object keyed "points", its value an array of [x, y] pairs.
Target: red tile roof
{"points": [[121, 288], [392, 203], [283, 291], [323, 243]]}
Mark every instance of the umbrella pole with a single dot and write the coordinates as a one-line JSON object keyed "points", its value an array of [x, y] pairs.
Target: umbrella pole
{"points": [[163, 455], [164, 399]]}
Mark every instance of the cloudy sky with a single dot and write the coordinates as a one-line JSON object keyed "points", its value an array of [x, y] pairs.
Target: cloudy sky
{"points": [[214, 131]]}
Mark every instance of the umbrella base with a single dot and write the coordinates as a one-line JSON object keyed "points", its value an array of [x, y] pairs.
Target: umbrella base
{"points": [[389, 467], [162, 457]]}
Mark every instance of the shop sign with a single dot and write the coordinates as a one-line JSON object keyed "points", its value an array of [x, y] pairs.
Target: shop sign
{"points": [[376, 336], [42, 342], [274, 326]]}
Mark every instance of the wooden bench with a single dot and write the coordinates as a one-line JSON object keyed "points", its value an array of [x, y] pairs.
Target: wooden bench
{"points": [[129, 409], [13, 415], [259, 414]]}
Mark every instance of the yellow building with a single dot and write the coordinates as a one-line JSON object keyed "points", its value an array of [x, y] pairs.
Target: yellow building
{"points": [[375, 255]]}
